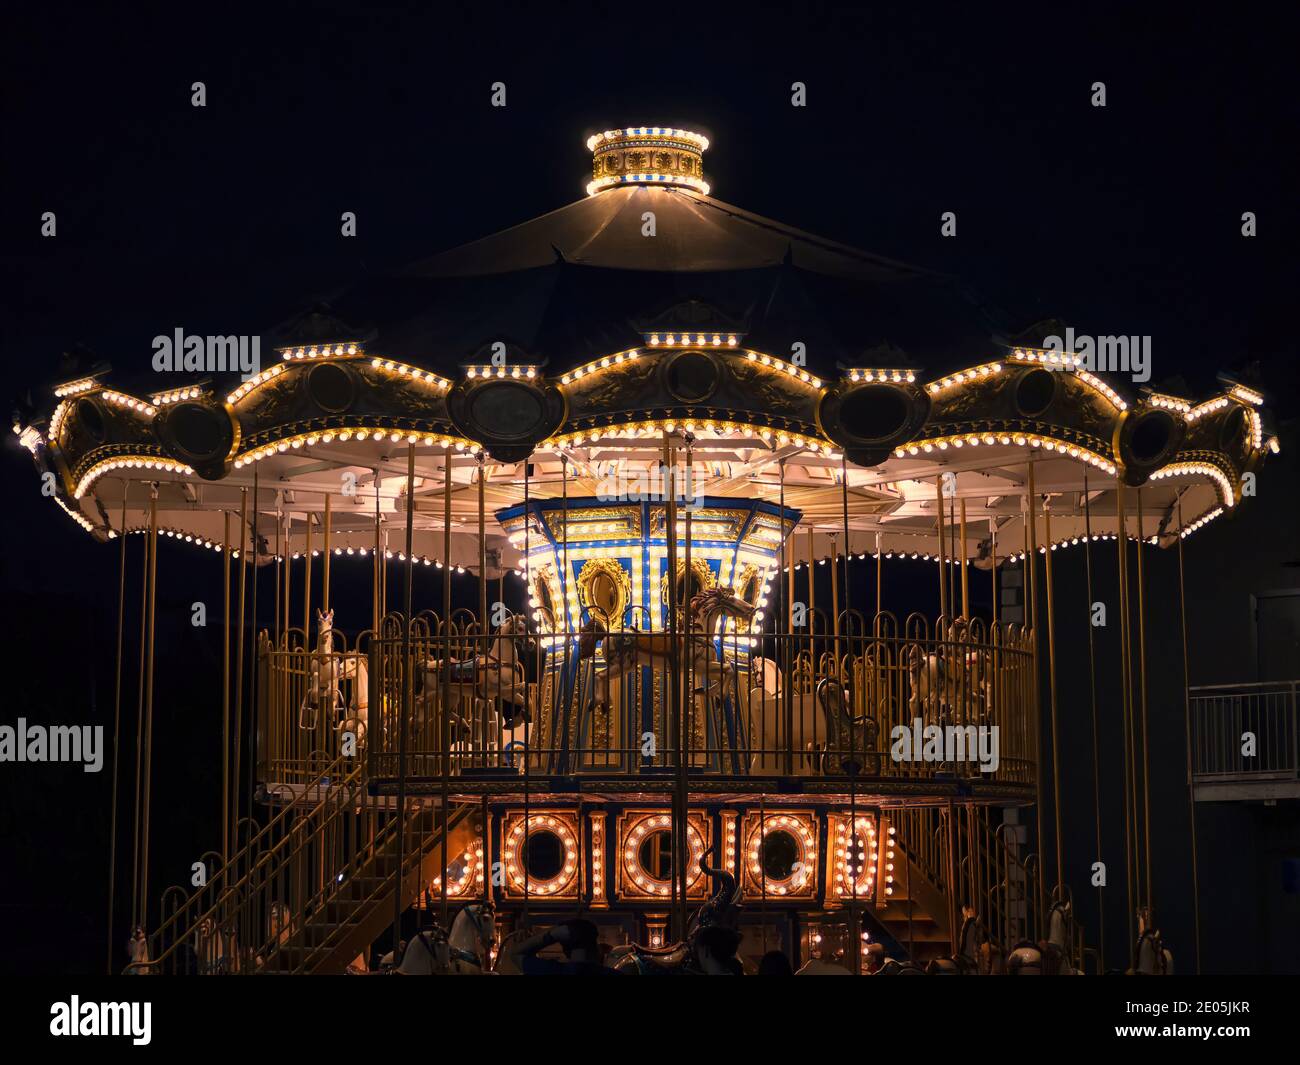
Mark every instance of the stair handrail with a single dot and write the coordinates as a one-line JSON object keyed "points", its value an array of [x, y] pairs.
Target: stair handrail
{"points": [[225, 889]]}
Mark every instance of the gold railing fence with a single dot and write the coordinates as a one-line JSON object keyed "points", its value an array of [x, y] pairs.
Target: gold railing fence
{"points": [[767, 708]]}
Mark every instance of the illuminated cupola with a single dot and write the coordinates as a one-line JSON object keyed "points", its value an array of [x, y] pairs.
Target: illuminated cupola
{"points": [[647, 155]]}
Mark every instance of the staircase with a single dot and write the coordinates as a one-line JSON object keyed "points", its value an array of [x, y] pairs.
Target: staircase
{"points": [[917, 920], [313, 887], [344, 922]]}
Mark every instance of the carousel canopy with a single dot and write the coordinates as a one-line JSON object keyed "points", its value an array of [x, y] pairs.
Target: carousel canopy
{"points": [[648, 321]]}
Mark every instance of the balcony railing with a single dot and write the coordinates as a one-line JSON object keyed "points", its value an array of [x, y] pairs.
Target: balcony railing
{"points": [[1244, 733], [833, 705]]}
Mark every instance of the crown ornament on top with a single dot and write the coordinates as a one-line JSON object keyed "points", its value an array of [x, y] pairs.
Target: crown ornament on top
{"points": [[647, 155]]}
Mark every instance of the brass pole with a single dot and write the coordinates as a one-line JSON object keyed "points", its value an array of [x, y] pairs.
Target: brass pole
{"points": [[225, 694], [287, 522], [961, 561], [880, 582], [1092, 698], [993, 567], [148, 702], [408, 699], [1187, 728], [1142, 681], [325, 568], [446, 690], [117, 721], [306, 585], [1130, 790], [943, 575], [855, 919], [1031, 613], [1051, 674], [139, 739], [835, 597], [484, 622], [812, 604], [377, 570], [786, 629], [239, 658]]}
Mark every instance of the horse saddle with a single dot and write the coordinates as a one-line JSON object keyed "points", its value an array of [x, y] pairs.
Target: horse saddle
{"points": [[465, 671]]}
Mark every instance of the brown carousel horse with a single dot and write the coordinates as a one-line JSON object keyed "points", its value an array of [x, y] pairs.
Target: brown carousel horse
{"points": [[626, 651]]}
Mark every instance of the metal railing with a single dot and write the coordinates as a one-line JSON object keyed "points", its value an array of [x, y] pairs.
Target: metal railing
{"points": [[1245, 732], [835, 701]]}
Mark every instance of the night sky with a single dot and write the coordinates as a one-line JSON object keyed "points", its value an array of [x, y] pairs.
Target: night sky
{"points": [[225, 220]]}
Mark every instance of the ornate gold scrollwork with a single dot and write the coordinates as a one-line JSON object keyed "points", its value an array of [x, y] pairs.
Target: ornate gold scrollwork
{"points": [[605, 589]]}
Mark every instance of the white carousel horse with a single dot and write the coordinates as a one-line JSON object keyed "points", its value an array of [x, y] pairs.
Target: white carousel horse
{"points": [[938, 689], [466, 951], [326, 672], [1152, 957], [632, 649], [499, 676]]}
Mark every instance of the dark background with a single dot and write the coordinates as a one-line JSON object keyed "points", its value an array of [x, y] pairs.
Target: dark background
{"points": [[225, 219]]}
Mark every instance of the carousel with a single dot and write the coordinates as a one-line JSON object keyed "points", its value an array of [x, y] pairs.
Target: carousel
{"points": [[620, 489]]}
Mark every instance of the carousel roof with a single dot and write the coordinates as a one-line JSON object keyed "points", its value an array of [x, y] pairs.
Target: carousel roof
{"points": [[800, 371], [583, 281]]}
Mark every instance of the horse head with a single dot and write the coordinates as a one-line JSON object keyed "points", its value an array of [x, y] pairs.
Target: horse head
{"points": [[474, 932], [515, 628], [591, 633], [707, 606]]}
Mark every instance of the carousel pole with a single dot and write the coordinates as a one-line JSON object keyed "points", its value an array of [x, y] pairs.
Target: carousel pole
{"points": [[686, 702], [812, 605], [993, 564], [880, 581], [961, 561], [279, 555], [408, 701], [139, 736], [253, 544], [483, 620], [287, 555], [1092, 698], [1031, 615], [306, 583], [1187, 730], [1051, 680], [446, 692], [526, 754], [786, 613], [325, 557], [788, 620], [239, 657], [148, 702], [943, 583], [376, 572], [565, 585], [117, 721], [1142, 682], [855, 921], [225, 694], [1126, 707], [673, 709]]}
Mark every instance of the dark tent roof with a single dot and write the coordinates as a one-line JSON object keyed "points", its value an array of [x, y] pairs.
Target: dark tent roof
{"points": [[583, 281]]}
